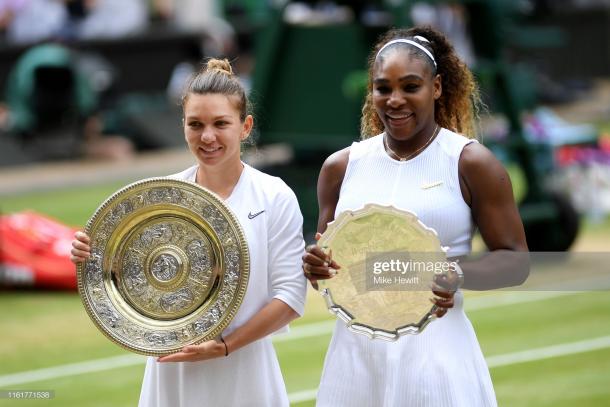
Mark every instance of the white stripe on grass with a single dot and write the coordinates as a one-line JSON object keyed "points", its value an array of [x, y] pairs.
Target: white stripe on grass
{"points": [[298, 332], [302, 396], [511, 297], [548, 352], [71, 369]]}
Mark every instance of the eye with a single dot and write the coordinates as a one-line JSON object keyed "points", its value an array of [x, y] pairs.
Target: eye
{"points": [[383, 89], [411, 87], [222, 123], [194, 125]]}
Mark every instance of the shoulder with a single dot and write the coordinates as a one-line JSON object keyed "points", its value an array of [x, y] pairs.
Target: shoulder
{"points": [[482, 173], [279, 200], [186, 175], [452, 142], [336, 163], [476, 157], [272, 187]]}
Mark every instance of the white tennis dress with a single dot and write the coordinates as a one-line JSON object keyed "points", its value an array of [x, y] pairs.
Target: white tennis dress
{"points": [[443, 366], [269, 213]]}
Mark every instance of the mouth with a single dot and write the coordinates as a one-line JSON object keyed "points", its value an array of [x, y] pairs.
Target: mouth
{"points": [[209, 150], [398, 118]]}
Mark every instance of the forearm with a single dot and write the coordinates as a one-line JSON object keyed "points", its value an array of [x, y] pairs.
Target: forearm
{"points": [[270, 318], [496, 269]]}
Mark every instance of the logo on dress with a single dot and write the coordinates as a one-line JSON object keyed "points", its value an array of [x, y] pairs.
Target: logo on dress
{"points": [[432, 185], [254, 215]]}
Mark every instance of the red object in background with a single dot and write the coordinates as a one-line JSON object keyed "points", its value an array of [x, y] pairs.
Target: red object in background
{"points": [[604, 142], [35, 252]]}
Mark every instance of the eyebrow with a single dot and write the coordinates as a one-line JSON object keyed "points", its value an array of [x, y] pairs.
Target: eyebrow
{"points": [[196, 117], [401, 79]]}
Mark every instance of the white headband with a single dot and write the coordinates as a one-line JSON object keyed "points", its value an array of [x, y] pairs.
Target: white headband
{"points": [[415, 44]]}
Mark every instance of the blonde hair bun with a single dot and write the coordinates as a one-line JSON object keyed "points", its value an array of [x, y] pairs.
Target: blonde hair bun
{"points": [[222, 65]]}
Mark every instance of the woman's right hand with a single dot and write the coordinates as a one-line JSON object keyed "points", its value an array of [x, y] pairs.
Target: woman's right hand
{"points": [[318, 265], [80, 248]]}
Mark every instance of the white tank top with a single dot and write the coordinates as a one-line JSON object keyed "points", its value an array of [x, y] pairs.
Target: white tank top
{"points": [[427, 185]]}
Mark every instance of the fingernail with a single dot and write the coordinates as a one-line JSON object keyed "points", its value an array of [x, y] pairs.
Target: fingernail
{"points": [[325, 264], [332, 272]]}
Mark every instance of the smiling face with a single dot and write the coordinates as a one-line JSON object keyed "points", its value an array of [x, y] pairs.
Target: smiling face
{"points": [[213, 129], [404, 92]]}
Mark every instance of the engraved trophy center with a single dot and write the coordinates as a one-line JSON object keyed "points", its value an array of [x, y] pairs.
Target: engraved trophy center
{"points": [[169, 268], [166, 266]]}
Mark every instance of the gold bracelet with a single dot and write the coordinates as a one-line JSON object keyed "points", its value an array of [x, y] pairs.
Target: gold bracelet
{"points": [[226, 347]]}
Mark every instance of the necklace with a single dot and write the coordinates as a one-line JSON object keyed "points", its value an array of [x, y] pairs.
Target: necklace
{"points": [[401, 158]]}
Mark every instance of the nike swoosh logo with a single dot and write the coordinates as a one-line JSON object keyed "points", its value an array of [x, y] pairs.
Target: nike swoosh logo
{"points": [[432, 185], [254, 215]]}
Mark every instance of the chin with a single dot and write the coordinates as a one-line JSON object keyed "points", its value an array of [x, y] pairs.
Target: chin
{"points": [[400, 134]]}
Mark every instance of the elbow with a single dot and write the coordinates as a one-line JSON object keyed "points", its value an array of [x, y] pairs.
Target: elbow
{"points": [[522, 271], [523, 275], [289, 310], [292, 315]]}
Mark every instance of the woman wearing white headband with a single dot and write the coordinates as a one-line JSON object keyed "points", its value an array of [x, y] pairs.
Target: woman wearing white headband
{"points": [[418, 124]]}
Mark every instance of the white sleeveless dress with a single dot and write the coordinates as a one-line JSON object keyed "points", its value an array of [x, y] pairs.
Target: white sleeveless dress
{"points": [[443, 366]]}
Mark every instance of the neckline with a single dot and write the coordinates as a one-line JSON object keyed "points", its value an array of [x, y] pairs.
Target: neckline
{"points": [[235, 188], [383, 151]]}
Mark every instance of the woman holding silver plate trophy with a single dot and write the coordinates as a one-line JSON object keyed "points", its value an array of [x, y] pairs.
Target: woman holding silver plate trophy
{"points": [[418, 154], [238, 367]]}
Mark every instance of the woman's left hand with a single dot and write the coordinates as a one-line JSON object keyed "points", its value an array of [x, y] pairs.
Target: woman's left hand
{"points": [[195, 353], [444, 288]]}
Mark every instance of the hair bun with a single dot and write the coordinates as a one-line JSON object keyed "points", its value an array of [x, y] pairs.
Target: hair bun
{"points": [[222, 65]]}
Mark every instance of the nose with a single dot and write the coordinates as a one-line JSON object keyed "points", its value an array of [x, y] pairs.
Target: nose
{"points": [[207, 135], [396, 99]]}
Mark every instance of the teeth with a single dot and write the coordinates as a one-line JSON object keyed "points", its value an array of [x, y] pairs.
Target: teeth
{"points": [[402, 116]]}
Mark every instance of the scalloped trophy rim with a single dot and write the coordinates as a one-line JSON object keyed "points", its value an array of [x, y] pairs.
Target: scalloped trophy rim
{"points": [[244, 272], [341, 313]]}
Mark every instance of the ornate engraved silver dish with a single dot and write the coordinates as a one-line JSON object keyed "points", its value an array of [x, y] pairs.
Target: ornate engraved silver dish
{"points": [[169, 266], [369, 294]]}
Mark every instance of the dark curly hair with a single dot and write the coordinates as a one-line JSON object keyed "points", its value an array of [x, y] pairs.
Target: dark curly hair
{"points": [[458, 107]]}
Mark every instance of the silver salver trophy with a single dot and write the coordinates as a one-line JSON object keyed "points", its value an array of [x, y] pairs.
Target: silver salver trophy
{"points": [[369, 294]]}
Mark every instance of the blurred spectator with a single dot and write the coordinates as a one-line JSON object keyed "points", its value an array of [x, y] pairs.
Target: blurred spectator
{"points": [[52, 109], [451, 20], [106, 18], [318, 13], [28, 21], [205, 16], [324, 12]]}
